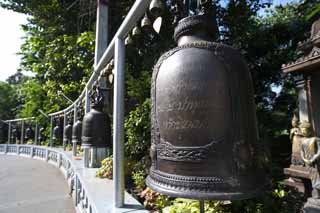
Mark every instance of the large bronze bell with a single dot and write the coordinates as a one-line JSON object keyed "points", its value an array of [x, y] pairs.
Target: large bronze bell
{"points": [[29, 134], [67, 133], [204, 132], [96, 126], [76, 132]]}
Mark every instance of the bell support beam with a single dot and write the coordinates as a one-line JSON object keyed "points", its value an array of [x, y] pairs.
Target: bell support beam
{"points": [[9, 133], [22, 132], [86, 110], [101, 30], [118, 124], [64, 126], [51, 131], [36, 133]]}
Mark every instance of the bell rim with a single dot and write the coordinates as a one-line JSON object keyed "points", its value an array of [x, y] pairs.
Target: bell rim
{"points": [[200, 194]]}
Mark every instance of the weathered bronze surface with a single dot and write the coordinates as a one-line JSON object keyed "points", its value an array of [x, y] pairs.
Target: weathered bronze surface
{"points": [[204, 132], [76, 132], [67, 133], [96, 126]]}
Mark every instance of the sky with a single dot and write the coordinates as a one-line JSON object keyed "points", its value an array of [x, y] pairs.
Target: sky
{"points": [[10, 39]]}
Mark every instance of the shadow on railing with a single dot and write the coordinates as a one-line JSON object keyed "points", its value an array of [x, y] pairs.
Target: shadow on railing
{"points": [[90, 194]]}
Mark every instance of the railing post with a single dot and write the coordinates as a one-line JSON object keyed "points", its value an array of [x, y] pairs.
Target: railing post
{"points": [[22, 133], [86, 110], [87, 101], [31, 152], [47, 154], [101, 30], [36, 134], [51, 131], [74, 145], [9, 133], [118, 124], [64, 126]]}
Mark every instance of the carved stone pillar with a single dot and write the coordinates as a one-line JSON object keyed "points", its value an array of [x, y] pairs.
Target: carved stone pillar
{"points": [[302, 98], [315, 102]]}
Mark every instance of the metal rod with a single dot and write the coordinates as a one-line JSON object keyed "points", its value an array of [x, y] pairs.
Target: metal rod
{"points": [[87, 102], [65, 120], [36, 134], [86, 150], [20, 119], [66, 97], [74, 145], [118, 124], [51, 131], [43, 113], [202, 209], [9, 133], [22, 133]]}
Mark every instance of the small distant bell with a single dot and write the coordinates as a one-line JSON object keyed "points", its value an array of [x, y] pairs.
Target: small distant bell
{"points": [[129, 40], [57, 132], [156, 8], [76, 132], [67, 134], [157, 24], [136, 31], [29, 133], [146, 23]]}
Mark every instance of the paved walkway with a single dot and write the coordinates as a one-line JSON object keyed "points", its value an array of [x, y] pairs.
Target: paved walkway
{"points": [[32, 186]]}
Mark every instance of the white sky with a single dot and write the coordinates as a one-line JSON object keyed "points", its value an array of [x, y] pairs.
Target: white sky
{"points": [[10, 41]]}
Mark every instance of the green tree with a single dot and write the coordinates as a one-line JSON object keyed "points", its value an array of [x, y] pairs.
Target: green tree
{"points": [[8, 101]]}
